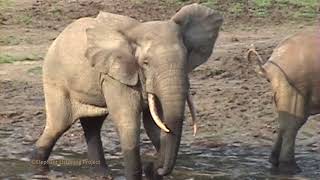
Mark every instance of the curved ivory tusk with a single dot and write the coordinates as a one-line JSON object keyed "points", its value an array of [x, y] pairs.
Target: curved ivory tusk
{"points": [[154, 114], [193, 113]]}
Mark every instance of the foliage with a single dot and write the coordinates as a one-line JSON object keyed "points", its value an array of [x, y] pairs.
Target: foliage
{"points": [[5, 3], [25, 19], [35, 70], [9, 40], [4, 58], [286, 9], [8, 58]]}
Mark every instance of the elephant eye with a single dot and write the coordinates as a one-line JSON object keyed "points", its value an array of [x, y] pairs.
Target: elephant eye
{"points": [[146, 63]]}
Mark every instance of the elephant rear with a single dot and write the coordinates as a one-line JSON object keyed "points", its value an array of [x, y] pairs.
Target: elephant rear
{"points": [[298, 59]]}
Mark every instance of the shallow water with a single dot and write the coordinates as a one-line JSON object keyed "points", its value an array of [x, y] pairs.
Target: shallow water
{"points": [[196, 164]]}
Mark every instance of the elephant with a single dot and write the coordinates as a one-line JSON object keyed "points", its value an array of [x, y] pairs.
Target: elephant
{"points": [[115, 65], [294, 73]]}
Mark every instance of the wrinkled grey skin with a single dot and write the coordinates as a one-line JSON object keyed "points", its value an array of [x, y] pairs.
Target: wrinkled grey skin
{"points": [[106, 65], [294, 73]]}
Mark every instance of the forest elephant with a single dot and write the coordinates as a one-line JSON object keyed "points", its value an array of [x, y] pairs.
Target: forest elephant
{"points": [[115, 65], [294, 72]]}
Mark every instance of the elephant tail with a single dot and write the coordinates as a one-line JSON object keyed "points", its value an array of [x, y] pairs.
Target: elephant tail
{"points": [[260, 70]]}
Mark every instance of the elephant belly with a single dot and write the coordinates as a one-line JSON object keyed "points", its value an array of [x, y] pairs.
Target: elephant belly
{"points": [[90, 99]]}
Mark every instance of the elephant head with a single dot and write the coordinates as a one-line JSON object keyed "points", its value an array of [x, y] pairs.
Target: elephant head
{"points": [[161, 54]]}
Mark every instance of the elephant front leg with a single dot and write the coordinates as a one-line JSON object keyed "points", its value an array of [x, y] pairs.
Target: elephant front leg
{"points": [[124, 107]]}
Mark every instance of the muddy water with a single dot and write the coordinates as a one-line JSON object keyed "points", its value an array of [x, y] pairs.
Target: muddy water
{"points": [[229, 162], [22, 123]]}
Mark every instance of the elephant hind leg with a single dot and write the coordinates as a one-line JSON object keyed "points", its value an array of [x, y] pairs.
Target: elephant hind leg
{"points": [[58, 120], [92, 130], [289, 127], [276, 149], [292, 114]]}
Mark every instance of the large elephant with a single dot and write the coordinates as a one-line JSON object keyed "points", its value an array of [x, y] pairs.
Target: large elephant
{"points": [[294, 72], [114, 65]]}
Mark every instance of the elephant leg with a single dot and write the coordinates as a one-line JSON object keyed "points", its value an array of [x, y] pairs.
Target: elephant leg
{"points": [[293, 111], [92, 128], [276, 149], [58, 120], [289, 126], [124, 105]]}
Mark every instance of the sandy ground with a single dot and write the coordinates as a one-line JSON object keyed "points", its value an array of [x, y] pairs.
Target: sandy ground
{"points": [[234, 105]]}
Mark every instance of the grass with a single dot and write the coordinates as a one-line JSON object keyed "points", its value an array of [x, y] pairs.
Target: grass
{"points": [[25, 19], [35, 70], [167, 2], [8, 58], [289, 9], [5, 4], [15, 40], [9, 40], [4, 58]]}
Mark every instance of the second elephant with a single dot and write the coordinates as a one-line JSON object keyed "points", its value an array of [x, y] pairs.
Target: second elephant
{"points": [[294, 72]]}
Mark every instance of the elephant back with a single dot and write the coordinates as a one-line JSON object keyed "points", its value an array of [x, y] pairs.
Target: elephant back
{"points": [[116, 21], [298, 57]]}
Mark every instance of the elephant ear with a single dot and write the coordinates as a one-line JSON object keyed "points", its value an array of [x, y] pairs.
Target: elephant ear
{"points": [[200, 27], [110, 53]]}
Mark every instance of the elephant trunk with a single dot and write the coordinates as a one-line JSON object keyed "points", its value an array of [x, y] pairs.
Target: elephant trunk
{"points": [[172, 96]]}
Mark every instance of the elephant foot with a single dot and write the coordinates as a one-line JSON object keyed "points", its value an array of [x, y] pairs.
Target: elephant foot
{"points": [[39, 161], [274, 160], [102, 172], [39, 154], [289, 168], [151, 172], [286, 168]]}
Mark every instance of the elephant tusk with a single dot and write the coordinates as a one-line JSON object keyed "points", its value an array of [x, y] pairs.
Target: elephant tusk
{"points": [[154, 114], [193, 113]]}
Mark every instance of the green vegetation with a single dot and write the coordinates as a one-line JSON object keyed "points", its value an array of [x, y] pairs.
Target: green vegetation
{"points": [[9, 40], [287, 9], [164, 2], [56, 11], [5, 3], [25, 19], [8, 58], [14, 40], [4, 58], [35, 70]]}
